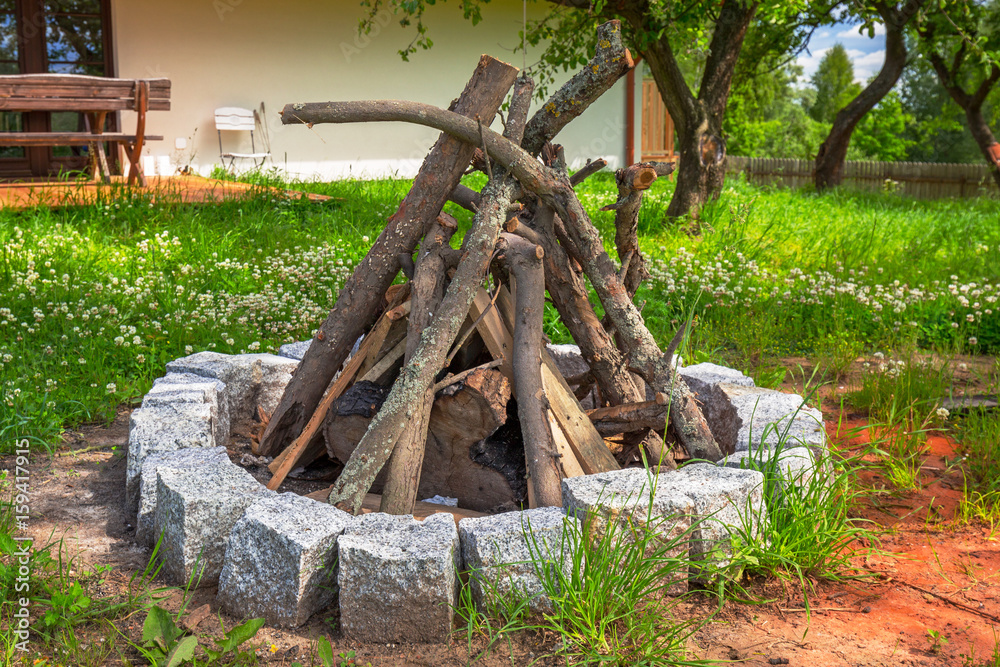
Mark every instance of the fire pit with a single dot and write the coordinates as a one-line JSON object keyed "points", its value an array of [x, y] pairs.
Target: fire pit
{"points": [[440, 386]]}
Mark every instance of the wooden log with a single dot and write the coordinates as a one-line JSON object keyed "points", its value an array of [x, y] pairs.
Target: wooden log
{"points": [[587, 445], [463, 417], [618, 419], [409, 389], [570, 296], [357, 304], [524, 261], [632, 181], [428, 289], [428, 279]]}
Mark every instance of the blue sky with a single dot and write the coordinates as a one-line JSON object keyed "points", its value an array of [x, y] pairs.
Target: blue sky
{"points": [[866, 53]]}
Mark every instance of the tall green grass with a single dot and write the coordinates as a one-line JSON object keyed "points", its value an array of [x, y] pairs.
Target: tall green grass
{"points": [[100, 296], [979, 435]]}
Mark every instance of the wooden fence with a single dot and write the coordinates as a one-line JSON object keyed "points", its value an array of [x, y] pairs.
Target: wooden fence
{"points": [[922, 180]]}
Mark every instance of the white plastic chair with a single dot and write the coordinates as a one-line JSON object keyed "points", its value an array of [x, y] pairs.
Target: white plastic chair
{"points": [[236, 119]]}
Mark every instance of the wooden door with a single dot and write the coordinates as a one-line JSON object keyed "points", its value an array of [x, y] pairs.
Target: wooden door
{"points": [[657, 126]]}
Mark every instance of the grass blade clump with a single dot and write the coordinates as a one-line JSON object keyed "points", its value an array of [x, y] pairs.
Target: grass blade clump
{"points": [[808, 531]]}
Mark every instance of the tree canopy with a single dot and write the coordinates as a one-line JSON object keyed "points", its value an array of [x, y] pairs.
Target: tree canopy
{"points": [[834, 84]]}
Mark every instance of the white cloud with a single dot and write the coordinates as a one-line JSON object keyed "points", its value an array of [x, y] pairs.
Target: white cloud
{"points": [[866, 64], [809, 61]]}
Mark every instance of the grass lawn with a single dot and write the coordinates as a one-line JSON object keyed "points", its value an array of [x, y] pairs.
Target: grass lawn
{"points": [[98, 298]]}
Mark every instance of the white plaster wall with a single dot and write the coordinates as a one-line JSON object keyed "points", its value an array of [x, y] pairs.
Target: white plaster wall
{"points": [[242, 52]]}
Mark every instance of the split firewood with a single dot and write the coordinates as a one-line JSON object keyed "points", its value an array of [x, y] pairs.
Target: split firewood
{"points": [[461, 460], [428, 289], [357, 304], [524, 262]]}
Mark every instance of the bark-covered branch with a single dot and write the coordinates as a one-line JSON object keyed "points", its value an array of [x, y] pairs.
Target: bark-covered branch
{"points": [[418, 375], [358, 303], [611, 61], [524, 262]]}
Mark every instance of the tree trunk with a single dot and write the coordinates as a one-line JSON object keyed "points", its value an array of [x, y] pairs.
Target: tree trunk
{"points": [[984, 139], [833, 151], [524, 262], [357, 304], [698, 120]]}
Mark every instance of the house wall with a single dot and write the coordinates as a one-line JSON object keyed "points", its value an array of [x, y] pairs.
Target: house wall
{"points": [[242, 52]]}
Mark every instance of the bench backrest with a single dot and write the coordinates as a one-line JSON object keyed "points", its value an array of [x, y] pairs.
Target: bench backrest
{"points": [[74, 92]]}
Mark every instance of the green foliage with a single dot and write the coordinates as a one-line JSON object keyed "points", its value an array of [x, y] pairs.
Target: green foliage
{"points": [[834, 84], [809, 529], [767, 117], [164, 643], [882, 133]]}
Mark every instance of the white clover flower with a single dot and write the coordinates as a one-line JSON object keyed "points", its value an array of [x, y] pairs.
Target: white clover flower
{"points": [[954, 325], [188, 349], [141, 358], [111, 387], [973, 340], [942, 413]]}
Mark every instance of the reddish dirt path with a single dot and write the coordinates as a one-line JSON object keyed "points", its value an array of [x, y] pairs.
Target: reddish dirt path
{"points": [[933, 575], [180, 189]]}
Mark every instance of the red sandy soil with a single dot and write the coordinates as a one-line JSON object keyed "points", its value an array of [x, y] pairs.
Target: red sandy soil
{"points": [[932, 574], [180, 189]]}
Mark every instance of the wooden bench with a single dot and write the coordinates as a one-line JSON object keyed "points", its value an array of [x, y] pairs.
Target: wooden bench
{"points": [[93, 96]]}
